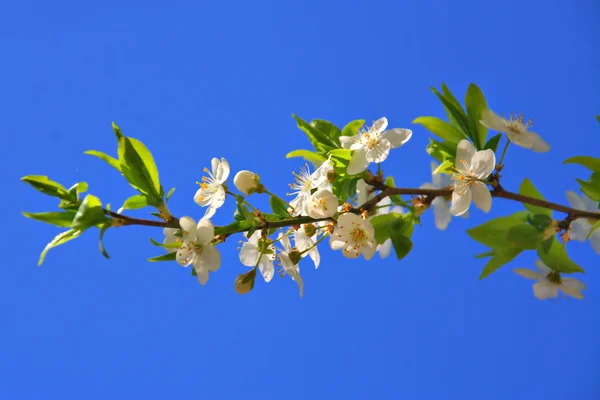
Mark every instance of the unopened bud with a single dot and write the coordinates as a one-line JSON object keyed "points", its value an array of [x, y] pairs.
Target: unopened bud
{"points": [[247, 182], [245, 282], [295, 256], [310, 230]]}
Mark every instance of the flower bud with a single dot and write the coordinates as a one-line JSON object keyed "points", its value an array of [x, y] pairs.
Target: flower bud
{"points": [[246, 182], [310, 230], [245, 282], [295, 256]]}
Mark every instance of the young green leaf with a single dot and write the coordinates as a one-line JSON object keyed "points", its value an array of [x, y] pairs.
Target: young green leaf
{"points": [[475, 104], [352, 127], [62, 219], [113, 162], [136, 202], [169, 195], [441, 128], [499, 258], [329, 129], [59, 239], [492, 144], [556, 258], [524, 236], [165, 257], [455, 112], [527, 189], [49, 187], [310, 156], [591, 163], [138, 167], [103, 229], [592, 187], [493, 233], [89, 214], [402, 244], [319, 140], [279, 207]]}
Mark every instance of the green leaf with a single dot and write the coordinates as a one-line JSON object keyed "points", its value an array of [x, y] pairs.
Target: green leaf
{"points": [[592, 187], [524, 236], [169, 195], [329, 129], [556, 258], [493, 233], [340, 159], [441, 129], [79, 187], [486, 254], [320, 141], [500, 257], [279, 207], [135, 202], [598, 118], [164, 257], [441, 151], [138, 167], [117, 131], [352, 127], [402, 244], [475, 104], [444, 168], [113, 162], [344, 187], [103, 229], [62, 219], [59, 239], [310, 156], [527, 189], [591, 163], [454, 110], [380, 224], [396, 198], [47, 186], [492, 144], [89, 214], [540, 221]]}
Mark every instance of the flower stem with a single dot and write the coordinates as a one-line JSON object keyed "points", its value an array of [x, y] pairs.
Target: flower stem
{"points": [[314, 245], [504, 152]]}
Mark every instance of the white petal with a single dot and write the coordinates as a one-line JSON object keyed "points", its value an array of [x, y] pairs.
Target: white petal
{"points": [[209, 259], [366, 226], [429, 186], [222, 172], [209, 213], [285, 242], [249, 254], [579, 230], [481, 196], [520, 138], [203, 197], [464, 151], [322, 204], [379, 153], [441, 212], [589, 204], [397, 136], [346, 141], [460, 204], [385, 248], [188, 227], [572, 287], [170, 238], [493, 121], [205, 231], [315, 256], [218, 197], [528, 273], [349, 253], [336, 242], [436, 178], [369, 250], [202, 275], [544, 290], [184, 255], [575, 201], [362, 192], [483, 163], [595, 241], [266, 269], [543, 268], [358, 162], [380, 124], [538, 144]]}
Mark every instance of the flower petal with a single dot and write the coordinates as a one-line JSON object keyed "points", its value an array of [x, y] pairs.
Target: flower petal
{"points": [[209, 259], [483, 163], [385, 248], [222, 172], [205, 231], [575, 201], [520, 138], [209, 213], [528, 273], [203, 197], [481, 196], [465, 151], [369, 250], [572, 287], [441, 212], [188, 228], [336, 242], [285, 241], [397, 136], [346, 141], [315, 256], [436, 178], [491, 120], [543, 268], [249, 254], [538, 144], [266, 268], [184, 255], [362, 192], [379, 125], [545, 290], [358, 162], [579, 230], [202, 275], [595, 241], [460, 203], [379, 152]]}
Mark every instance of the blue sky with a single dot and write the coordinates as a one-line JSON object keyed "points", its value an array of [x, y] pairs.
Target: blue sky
{"points": [[196, 80]]}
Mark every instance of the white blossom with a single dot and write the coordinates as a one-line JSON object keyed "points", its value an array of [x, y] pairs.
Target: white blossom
{"points": [[251, 252], [354, 236], [516, 129], [170, 238], [303, 242], [579, 229], [322, 204], [471, 167], [196, 248], [303, 184], [212, 193], [550, 282], [373, 144], [441, 210], [288, 267]]}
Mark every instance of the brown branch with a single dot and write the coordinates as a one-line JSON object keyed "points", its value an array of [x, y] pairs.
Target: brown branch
{"points": [[125, 220]]}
